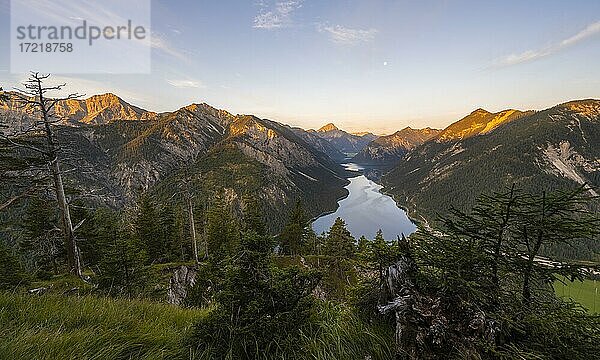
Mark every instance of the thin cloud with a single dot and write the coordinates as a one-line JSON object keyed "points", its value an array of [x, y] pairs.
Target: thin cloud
{"points": [[159, 42], [347, 36], [185, 84], [73, 13], [278, 16], [533, 55]]}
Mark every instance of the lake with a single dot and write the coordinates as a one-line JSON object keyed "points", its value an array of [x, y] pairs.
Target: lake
{"points": [[367, 210]]}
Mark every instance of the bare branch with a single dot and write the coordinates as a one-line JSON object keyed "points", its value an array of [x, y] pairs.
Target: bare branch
{"points": [[10, 201]]}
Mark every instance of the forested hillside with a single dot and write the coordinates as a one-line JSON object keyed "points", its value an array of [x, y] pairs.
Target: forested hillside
{"points": [[116, 152], [101, 224], [552, 149]]}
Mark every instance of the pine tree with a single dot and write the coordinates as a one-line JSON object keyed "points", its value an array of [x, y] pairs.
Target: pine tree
{"points": [[148, 230], [339, 243], [35, 96], [293, 236], [222, 232], [487, 266], [254, 216], [380, 253], [41, 244], [314, 244], [258, 306], [363, 245], [122, 270], [340, 249], [169, 231]]}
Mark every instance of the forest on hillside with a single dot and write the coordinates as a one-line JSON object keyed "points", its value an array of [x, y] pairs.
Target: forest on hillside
{"points": [[478, 285]]}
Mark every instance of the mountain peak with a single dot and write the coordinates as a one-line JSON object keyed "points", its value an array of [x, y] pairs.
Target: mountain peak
{"points": [[480, 111], [328, 127], [479, 122], [101, 109], [106, 96]]}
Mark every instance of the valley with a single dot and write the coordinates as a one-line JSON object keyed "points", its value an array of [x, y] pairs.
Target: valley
{"points": [[366, 210], [199, 206], [300, 180]]}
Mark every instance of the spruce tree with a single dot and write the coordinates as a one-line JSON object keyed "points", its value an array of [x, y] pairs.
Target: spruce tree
{"points": [[258, 306], [340, 249], [41, 244], [122, 270], [222, 232], [363, 245], [148, 230], [293, 236], [489, 267], [340, 243], [169, 231]]}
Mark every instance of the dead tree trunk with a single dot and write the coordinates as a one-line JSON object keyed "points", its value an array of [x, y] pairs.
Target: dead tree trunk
{"points": [[34, 95], [400, 282], [193, 229]]}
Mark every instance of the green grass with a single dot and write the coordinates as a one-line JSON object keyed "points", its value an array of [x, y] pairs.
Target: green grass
{"points": [[54, 326], [64, 327], [587, 293], [341, 334]]}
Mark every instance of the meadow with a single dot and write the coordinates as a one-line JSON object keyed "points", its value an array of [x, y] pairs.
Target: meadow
{"points": [[586, 293]]}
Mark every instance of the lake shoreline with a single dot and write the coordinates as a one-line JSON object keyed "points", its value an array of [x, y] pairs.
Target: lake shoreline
{"points": [[367, 209]]}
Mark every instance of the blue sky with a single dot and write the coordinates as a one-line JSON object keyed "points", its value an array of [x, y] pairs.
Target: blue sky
{"points": [[376, 65]]}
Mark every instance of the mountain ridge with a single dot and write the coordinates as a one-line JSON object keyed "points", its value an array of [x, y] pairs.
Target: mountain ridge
{"points": [[479, 122], [545, 150], [387, 150], [120, 151], [343, 141]]}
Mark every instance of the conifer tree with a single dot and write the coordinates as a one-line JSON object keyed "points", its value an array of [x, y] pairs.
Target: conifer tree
{"points": [[148, 230], [340, 249], [222, 231], [35, 96], [380, 253], [122, 270], [339, 243], [253, 216], [363, 245], [509, 291], [168, 231], [314, 244], [293, 236], [41, 243], [258, 305]]}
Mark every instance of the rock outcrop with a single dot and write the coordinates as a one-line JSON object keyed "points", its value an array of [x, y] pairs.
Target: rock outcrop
{"points": [[183, 279]]}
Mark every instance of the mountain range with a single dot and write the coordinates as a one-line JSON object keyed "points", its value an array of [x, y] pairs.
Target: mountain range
{"points": [[117, 151], [557, 148], [345, 142], [388, 150]]}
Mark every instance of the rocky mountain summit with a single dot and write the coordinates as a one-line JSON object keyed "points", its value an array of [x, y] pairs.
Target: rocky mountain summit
{"points": [[556, 148], [117, 151], [343, 141], [479, 122], [387, 150]]}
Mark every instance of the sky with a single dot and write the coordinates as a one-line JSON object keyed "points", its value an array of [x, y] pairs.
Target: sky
{"points": [[365, 65]]}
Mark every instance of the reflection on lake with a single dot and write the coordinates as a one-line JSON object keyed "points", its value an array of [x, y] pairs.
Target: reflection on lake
{"points": [[367, 210]]}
